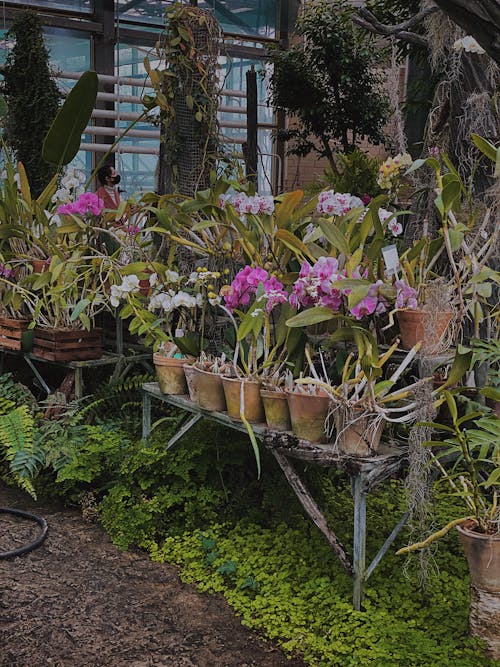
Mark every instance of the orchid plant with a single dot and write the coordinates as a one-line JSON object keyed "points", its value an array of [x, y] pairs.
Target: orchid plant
{"points": [[71, 292], [252, 298], [173, 310]]}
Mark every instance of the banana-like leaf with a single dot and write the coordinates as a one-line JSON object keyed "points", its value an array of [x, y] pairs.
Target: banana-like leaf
{"points": [[63, 139]]}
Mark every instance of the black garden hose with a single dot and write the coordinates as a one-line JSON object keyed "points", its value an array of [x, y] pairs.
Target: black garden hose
{"points": [[32, 545]]}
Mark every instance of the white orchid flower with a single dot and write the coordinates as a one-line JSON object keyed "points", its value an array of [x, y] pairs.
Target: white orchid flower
{"points": [[469, 44], [171, 276], [130, 283]]}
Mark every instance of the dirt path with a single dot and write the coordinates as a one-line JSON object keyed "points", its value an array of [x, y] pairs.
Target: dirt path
{"points": [[79, 602]]}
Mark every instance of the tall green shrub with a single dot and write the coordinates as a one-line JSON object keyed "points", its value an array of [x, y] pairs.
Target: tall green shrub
{"points": [[32, 98], [329, 82]]}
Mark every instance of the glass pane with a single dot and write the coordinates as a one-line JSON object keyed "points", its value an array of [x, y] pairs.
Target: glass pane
{"points": [[242, 17], [137, 170], [75, 5], [70, 52]]}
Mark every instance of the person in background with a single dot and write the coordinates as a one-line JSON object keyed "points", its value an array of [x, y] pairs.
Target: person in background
{"points": [[109, 178]]}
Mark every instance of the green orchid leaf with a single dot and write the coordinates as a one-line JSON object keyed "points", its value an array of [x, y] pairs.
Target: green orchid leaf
{"points": [[485, 147], [334, 236], [78, 309], [311, 316]]}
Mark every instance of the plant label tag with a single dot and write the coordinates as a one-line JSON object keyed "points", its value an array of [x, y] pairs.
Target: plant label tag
{"points": [[391, 259], [179, 333]]}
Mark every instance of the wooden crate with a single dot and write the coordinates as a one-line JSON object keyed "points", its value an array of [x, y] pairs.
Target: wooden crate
{"points": [[11, 332], [67, 344]]}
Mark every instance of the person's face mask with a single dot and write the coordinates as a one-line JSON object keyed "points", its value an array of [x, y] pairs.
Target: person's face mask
{"points": [[116, 179]]}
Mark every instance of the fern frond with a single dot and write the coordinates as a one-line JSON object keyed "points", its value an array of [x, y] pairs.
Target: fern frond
{"points": [[16, 444], [26, 485], [16, 392], [6, 405]]}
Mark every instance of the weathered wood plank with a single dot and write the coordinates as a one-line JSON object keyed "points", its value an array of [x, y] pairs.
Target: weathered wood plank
{"points": [[313, 510], [484, 619]]}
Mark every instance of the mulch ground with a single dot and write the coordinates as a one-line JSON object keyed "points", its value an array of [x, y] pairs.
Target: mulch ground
{"points": [[77, 601]]}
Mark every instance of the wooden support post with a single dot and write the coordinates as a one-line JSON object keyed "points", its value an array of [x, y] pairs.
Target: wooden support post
{"points": [[119, 335], [79, 382], [184, 428], [38, 376], [312, 509]]}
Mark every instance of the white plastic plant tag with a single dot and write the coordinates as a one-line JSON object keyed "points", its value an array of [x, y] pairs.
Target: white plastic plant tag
{"points": [[391, 259], [179, 333]]}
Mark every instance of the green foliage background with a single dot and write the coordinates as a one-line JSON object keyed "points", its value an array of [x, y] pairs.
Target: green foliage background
{"points": [[32, 98], [330, 80]]}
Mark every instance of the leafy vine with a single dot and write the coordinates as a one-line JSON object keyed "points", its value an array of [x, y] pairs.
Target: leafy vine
{"points": [[187, 93]]}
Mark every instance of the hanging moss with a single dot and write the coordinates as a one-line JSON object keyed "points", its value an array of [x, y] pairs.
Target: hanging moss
{"points": [[32, 98]]}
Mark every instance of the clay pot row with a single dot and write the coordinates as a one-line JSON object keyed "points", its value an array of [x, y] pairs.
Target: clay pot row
{"points": [[303, 414]]}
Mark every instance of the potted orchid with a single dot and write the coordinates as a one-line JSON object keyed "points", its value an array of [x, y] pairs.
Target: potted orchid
{"points": [[468, 238], [64, 302], [363, 401], [14, 311], [171, 317], [250, 301]]}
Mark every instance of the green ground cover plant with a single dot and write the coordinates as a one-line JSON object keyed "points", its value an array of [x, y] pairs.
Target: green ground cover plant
{"points": [[201, 507]]}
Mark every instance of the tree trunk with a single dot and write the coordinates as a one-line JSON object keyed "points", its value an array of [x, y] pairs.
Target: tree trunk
{"points": [[484, 619], [479, 18]]}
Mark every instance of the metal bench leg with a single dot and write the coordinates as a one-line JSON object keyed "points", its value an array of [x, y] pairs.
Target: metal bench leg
{"points": [[359, 540], [146, 415], [38, 376]]}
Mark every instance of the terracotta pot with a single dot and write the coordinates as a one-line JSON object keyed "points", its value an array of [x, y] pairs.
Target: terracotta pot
{"points": [[252, 402], [362, 436], [483, 556], [308, 414], [170, 373], [276, 410], [189, 374], [205, 388], [413, 325], [40, 265]]}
